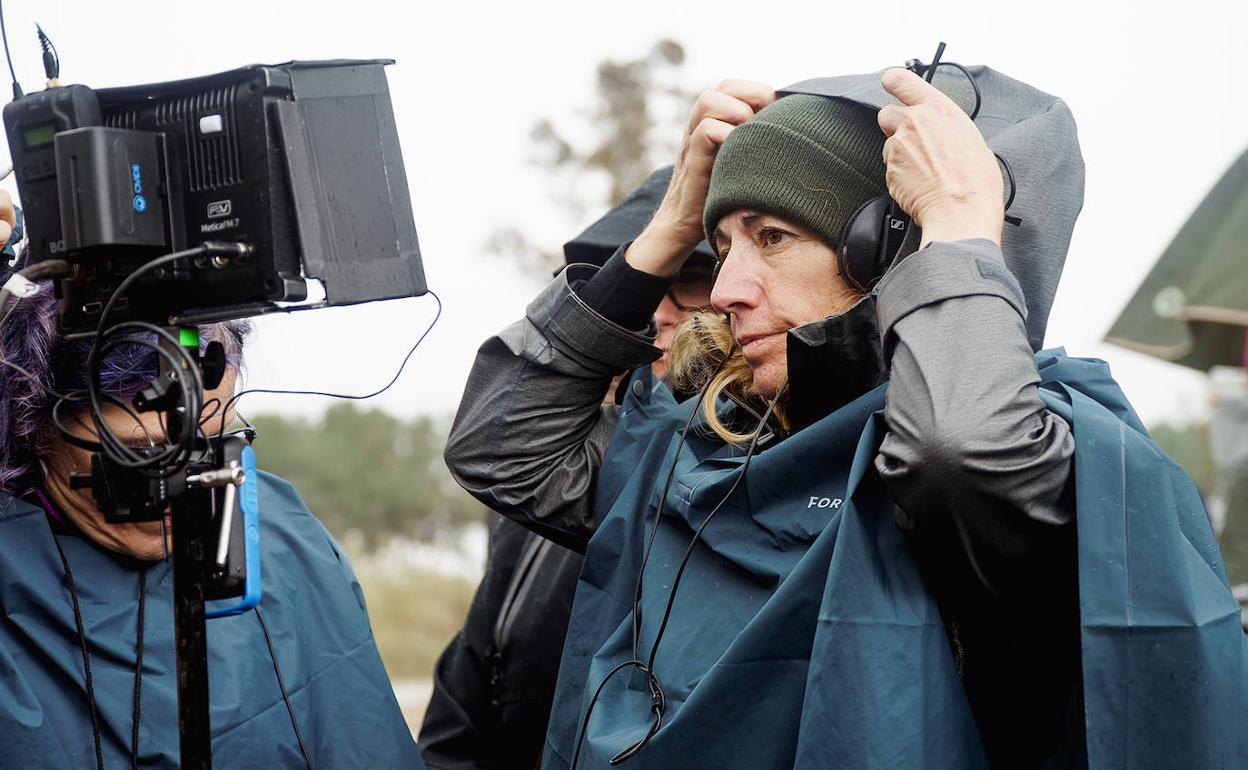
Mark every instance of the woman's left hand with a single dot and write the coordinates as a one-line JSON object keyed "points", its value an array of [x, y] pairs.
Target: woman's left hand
{"points": [[939, 169]]}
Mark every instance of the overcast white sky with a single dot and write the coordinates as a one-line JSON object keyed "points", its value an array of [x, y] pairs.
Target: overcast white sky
{"points": [[1158, 90]]}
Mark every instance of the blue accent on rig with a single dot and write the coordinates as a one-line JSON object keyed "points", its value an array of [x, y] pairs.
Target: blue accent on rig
{"points": [[249, 505]]}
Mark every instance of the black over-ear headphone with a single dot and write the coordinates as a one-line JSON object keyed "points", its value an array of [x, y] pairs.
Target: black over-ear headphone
{"points": [[874, 235], [872, 240]]}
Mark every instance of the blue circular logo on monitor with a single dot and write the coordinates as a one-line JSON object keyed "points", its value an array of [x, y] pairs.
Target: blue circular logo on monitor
{"points": [[140, 203]]}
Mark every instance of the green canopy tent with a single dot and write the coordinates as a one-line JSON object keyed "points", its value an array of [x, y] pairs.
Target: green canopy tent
{"points": [[1192, 309]]}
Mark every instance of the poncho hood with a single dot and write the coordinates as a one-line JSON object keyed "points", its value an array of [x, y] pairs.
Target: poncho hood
{"points": [[623, 223]]}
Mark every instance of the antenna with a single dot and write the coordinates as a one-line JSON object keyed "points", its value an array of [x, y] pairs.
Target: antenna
{"points": [[17, 89], [931, 68], [51, 58]]}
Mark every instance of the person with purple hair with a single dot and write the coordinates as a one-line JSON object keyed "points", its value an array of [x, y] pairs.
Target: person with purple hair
{"points": [[87, 658], [36, 461]]}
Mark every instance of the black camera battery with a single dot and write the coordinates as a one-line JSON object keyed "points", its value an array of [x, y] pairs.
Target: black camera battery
{"points": [[109, 184]]}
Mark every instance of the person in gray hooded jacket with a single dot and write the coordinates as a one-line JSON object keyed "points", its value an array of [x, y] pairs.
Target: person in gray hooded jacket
{"points": [[977, 466]]}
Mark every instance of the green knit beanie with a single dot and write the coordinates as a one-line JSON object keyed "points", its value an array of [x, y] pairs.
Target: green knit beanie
{"points": [[809, 159]]}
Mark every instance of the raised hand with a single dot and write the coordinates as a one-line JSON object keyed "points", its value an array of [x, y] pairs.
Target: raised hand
{"points": [[939, 169], [676, 228]]}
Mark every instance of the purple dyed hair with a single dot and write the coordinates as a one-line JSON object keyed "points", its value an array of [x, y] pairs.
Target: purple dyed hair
{"points": [[29, 339]]}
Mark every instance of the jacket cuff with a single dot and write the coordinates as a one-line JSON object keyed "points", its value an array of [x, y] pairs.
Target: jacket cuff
{"points": [[577, 329], [943, 271], [623, 294]]}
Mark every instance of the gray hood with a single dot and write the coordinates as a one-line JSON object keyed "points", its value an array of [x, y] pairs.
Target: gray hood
{"points": [[1035, 134]]}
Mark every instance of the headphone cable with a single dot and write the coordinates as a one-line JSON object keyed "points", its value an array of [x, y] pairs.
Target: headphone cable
{"points": [[658, 698]]}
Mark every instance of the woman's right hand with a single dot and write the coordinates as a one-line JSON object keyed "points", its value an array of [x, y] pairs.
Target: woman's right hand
{"points": [[8, 218], [676, 228]]}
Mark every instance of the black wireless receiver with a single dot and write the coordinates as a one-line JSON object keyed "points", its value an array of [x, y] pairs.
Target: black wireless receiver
{"points": [[32, 123]]}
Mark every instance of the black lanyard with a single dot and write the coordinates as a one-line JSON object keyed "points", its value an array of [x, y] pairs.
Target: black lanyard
{"points": [[86, 662]]}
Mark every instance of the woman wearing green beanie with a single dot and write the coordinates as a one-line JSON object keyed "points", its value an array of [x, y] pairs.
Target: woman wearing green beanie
{"points": [[846, 538]]}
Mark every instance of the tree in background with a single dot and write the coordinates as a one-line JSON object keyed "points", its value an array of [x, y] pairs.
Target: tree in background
{"points": [[368, 471], [635, 126]]}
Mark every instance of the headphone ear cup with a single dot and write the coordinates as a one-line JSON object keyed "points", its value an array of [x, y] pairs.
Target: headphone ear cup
{"points": [[859, 257]]}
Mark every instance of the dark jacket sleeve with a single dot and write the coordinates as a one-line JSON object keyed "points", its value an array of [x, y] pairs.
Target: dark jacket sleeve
{"points": [[532, 429], [972, 455]]}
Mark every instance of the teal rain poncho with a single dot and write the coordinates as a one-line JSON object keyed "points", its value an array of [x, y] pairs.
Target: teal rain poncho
{"points": [[861, 675], [315, 612]]}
